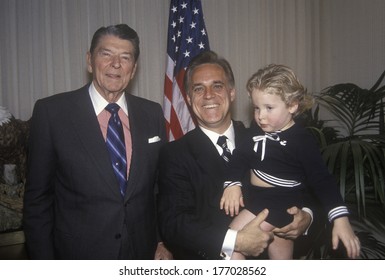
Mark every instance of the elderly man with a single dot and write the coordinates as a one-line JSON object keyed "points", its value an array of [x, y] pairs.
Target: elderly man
{"points": [[93, 162]]}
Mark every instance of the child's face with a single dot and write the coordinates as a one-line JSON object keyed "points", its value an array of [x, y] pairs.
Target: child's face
{"points": [[271, 112]]}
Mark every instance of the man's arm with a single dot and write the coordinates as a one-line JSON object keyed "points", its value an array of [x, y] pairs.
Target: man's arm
{"points": [[38, 196]]}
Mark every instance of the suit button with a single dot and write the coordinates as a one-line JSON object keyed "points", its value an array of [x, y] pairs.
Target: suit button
{"points": [[202, 254], [118, 236]]}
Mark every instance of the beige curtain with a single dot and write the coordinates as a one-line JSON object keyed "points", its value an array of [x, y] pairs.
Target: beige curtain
{"points": [[43, 43]]}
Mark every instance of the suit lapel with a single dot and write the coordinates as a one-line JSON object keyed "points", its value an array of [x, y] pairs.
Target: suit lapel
{"points": [[208, 158], [87, 127], [205, 153], [212, 167], [137, 128], [239, 131]]}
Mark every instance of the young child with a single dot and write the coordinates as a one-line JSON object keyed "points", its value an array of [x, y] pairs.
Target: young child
{"points": [[283, 159]]}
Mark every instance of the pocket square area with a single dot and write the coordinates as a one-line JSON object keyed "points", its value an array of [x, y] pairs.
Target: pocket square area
{"points": [[154, 139]]}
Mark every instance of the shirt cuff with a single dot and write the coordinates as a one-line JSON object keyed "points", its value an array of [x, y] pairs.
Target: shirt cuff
{"points": [[338, 212], [308, 210], [227, 184], [229, 244]]}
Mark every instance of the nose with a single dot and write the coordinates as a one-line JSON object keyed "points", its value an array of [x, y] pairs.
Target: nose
{"points": [[208, 94], [258, 114], [115, 61]]}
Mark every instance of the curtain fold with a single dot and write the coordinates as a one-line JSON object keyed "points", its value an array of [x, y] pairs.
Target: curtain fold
{"points": [[43, 43]]}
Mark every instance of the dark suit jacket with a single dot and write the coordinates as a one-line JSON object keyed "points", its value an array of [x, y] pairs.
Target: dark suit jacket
{"points": [[190, 187], [72, 205]]}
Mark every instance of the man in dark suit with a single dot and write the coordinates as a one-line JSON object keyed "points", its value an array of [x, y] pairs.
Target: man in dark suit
{"points": [[192, 173], [74, 207]]}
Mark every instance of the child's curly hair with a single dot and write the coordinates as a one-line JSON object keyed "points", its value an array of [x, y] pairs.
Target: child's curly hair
{"points": [[281, 80]]}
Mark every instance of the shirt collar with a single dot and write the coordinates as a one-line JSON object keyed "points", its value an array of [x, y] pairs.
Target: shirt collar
{"points": [[100, 103], [229, 133]]}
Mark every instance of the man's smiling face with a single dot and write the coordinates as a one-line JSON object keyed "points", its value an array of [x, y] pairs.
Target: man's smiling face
{"points": [[112, 65], [210, 97]]}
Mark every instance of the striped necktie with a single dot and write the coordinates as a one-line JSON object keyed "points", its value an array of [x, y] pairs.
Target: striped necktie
{"points": [[116, 146], [226, 154]]}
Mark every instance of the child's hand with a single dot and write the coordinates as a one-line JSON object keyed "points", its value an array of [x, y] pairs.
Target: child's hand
{"points": [[344, 232], [231, 200]]}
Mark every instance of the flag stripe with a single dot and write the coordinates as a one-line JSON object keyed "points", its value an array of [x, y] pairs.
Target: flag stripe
{"points": [[187, 37]]}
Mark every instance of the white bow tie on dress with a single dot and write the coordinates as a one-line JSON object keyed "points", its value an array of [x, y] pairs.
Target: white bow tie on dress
{"points": [[262, 138]]}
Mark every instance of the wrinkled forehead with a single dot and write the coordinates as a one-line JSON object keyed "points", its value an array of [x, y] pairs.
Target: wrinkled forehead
{"points": [[208, 73]]}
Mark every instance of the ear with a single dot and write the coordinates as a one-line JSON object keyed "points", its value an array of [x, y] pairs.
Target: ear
{"points": [[89, 62], [232, 95], [134, 70], [293, 107], [188, 99]]}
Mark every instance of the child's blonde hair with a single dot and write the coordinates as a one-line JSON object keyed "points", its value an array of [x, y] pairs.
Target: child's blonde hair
{"points": [[281, 80]]}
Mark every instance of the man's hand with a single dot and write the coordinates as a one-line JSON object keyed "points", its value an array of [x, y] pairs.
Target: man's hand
{"points": [[300, 224], [162, 253], [251, 240]]}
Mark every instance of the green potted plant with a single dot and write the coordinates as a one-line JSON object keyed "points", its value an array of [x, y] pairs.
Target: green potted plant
{"points": [[353, 147], [355, 153]]}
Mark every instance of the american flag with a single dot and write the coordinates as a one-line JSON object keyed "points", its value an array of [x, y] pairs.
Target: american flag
{"points": [[187, 37]]}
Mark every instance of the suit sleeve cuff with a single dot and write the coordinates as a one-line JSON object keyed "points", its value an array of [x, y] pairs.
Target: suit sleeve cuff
{"points": [[308, 210]]}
